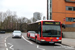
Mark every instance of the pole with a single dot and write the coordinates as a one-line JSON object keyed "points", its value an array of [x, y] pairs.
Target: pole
{"points": [[47, 9], [16, 25], [64, 20]]}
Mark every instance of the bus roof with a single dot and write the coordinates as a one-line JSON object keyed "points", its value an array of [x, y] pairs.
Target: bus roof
{"points": [[43, 20]]}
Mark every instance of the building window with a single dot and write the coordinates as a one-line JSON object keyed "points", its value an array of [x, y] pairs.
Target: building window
{"points": [[51, 13], [69, 8], [69, 19], [50, 17], [51, 1], [74, 8]]}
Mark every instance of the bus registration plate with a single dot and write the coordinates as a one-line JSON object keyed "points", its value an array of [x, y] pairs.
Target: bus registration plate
{"points": [[51, 42]]}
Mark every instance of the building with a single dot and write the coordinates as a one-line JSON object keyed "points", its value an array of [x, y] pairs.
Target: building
{"points": [[61, 10], [37, 15]]}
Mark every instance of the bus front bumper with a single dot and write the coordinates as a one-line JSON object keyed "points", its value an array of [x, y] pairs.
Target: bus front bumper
{"points": [[50, 42]]}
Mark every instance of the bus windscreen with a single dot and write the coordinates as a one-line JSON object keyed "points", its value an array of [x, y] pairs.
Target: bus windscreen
{"points": [[51, 29]]}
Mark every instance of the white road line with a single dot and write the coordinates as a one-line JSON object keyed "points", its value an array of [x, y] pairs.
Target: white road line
{"points": [[9, 44], [6, 48], [27, 40], [40, 48], [11, 47], [37, 46], [5, 43]]}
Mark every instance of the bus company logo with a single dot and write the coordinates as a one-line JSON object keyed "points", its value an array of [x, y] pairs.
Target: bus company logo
{"points": [[38, 23]]}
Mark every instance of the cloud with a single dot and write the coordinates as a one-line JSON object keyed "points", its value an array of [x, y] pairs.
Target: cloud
{"points": [[25, 7]]}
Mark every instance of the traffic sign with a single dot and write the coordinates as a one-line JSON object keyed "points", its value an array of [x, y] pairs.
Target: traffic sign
{"points": [[64, 19]]}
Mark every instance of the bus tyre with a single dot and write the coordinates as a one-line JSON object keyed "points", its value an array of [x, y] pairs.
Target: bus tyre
{"points": [[53, 44], [40, 43], [60, 42]]}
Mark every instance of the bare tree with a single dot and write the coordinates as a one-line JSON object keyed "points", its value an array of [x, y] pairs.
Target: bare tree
{"points": [[0, 16], [28, 21], [33, 20], [9, 20]]}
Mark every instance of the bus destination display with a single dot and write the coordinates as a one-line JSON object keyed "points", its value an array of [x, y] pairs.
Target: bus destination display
{"points": [[51, 23]]}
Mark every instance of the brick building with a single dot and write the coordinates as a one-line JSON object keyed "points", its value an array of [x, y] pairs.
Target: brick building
{"points": [[60, 10]]}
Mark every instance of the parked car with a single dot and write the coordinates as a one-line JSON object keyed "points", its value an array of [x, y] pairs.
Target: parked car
{"points": [[16, 33], [2, 32]]}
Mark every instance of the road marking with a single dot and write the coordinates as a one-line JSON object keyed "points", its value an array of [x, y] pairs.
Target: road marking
{"points": [[6, 48], [27, 40], [11, 47], [40, 48], [5, 43], [63, 46], [37, 46]]}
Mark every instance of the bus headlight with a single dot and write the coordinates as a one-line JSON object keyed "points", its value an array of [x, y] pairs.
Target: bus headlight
{"points": [[42, 40], [59, 40]]}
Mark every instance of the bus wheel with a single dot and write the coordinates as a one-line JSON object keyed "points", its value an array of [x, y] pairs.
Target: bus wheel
{"points": [[53, 44], [60, 42]]}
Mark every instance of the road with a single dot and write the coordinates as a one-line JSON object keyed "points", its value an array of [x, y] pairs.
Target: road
{"points": [[25, 44]]}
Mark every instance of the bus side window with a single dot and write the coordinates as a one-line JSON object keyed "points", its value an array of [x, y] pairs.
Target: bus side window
{"points": [[39, 30]]}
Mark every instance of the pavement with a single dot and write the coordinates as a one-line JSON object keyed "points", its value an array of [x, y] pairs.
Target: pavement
{"points": [[68, 41]]}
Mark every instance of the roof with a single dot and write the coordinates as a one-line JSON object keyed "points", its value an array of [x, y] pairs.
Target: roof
{"points": [[44, 20]]}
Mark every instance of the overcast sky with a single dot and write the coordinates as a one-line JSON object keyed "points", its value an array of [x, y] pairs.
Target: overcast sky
{"points": [[24, 8]]}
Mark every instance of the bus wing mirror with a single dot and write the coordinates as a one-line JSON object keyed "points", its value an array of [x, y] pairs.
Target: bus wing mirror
{"points": [[63, 25]]}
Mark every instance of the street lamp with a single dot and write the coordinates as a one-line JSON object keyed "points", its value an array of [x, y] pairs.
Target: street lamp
{"points": [[16, 25]]}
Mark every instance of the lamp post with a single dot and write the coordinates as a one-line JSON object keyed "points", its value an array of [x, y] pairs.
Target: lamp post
{"points": [[16, 25], [64, 20]]}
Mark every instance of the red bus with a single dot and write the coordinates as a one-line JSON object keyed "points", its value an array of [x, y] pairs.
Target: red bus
{"points": [[45, 31]]}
